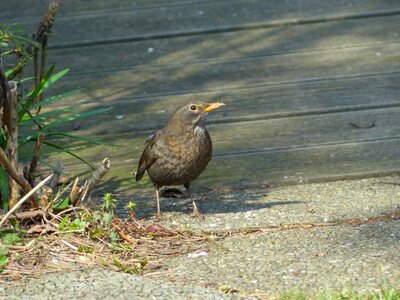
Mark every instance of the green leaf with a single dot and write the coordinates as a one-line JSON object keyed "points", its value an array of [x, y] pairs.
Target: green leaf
{"points": [[53, 79], [85, 249], [77, 116], [55, 98], [96, 233], [38, 90], [63, 222], [4, 188], [29, 138], [12, 239], [78, 137], [77, 225], [3, 260], [62, 204], [22, 157], [69, 152], [53, 167], [24, 39], [43, 116], [3, 251]]}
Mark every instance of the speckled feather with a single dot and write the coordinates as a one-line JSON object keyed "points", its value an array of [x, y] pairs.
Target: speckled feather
{"points": [[176, 154]]}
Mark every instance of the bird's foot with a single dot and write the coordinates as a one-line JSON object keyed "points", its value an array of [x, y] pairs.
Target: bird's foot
{"points": [[157, 218], [196, 213]]}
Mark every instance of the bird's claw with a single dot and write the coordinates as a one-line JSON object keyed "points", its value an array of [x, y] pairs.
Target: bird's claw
{"points": [[196, 213]]}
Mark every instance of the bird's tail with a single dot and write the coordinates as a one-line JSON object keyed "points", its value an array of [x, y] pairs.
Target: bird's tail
{"points": [[139, 174]]}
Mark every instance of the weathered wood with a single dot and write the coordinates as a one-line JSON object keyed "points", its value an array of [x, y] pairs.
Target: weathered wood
{"points": [[32, 8], [276, 134], [304, 103], [313, 163], [228, 45], [140, 117], [162, 21], [224, 77]]}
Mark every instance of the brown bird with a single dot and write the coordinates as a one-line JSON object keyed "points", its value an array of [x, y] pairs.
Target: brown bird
{"points": [[179, 152]]}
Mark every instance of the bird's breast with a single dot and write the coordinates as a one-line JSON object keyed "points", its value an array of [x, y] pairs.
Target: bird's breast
{"points": [[181, 157]]}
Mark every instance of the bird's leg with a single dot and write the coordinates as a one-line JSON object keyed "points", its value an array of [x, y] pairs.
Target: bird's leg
{"points": [[158, 202], [196, 211]]}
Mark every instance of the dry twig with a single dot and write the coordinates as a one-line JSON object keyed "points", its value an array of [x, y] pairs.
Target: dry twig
{"points": [[16, 206], [96, 177], [23, 183], [56, 175]]}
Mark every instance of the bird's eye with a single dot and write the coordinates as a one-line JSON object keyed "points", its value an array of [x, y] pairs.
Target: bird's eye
{"points": [[193, 107]]}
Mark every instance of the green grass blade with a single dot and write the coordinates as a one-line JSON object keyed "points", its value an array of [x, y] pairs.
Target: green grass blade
{"points": [[70, 153], [30, 138], [30, 155], [77, 116], [27, 101], [77, 137], [40, 118], [54, 78], [53, 167], [4, 188], [55, 98]]}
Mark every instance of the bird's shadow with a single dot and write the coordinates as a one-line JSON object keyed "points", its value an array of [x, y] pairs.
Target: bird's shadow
{"points": [[211, 202]]}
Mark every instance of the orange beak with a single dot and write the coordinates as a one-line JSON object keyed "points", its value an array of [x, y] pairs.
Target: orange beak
{"points": [[213, 106]]}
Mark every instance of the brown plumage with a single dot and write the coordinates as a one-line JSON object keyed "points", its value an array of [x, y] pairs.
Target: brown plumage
{"points": [[179, 152]]}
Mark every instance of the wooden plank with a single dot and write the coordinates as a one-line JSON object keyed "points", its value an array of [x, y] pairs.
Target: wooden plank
{"points": [[225, 75], [228, 45], [140, 117], [36, 8], [73, 29], [282, 134], [286, 166], [301, 165]]}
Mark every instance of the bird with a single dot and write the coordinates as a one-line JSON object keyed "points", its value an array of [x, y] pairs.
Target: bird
{"points": [[179, 152]]}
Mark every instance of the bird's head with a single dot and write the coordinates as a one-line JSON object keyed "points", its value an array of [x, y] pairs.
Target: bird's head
{"points": [[193, 114]]}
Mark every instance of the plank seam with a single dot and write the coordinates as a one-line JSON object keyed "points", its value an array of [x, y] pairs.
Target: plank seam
{"points": [[230, 28], [280, 83], [242, 58], [252, 152]]}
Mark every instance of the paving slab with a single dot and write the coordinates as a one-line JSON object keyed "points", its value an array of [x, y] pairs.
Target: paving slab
{"points": [[235, 210], [102, 284], [343, 234], [363, 257]]}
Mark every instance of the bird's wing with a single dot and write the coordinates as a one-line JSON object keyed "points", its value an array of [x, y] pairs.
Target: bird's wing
{"points": [[148, 157]]}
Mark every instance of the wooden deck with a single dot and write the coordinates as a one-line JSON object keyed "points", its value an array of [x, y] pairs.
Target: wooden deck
{"points": [[312, 87]]}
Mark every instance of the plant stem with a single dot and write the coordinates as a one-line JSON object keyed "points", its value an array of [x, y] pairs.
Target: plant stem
{"points": [[17, 205]]}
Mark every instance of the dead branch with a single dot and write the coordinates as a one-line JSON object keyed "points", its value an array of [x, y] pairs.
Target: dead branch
{"points": [[29, 215], [41, 37], [69, 245], [48, 20], [8, 99], [4, 91], [46, 194], [12, 140], [5, 88], [36, 155], [20, 248], [96, 177], [74, 195], [123, 235], [56, 175], [23, 183], [20, 202]]}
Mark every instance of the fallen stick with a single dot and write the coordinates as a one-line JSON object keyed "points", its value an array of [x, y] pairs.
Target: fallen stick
{"points": [[16, 206], [57, 173], [22, 182], [96, 177], [20, 248]]}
